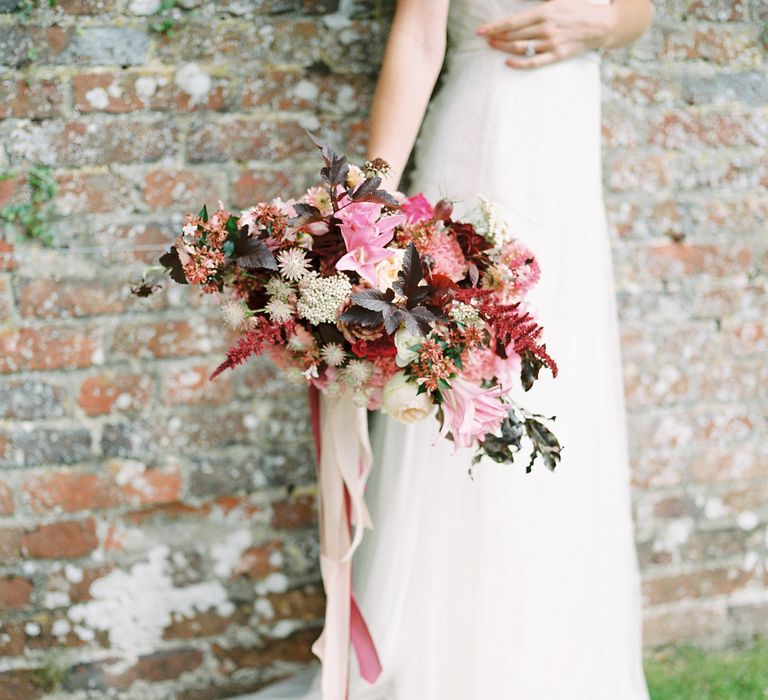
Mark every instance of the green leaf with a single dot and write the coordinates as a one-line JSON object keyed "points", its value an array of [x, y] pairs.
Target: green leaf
{"points": [[204, 213]]}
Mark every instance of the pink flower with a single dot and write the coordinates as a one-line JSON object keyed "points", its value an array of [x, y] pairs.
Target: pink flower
{"points": [[366, 237], [470, 412], [447, 256], [417, 208], [483, 364]]}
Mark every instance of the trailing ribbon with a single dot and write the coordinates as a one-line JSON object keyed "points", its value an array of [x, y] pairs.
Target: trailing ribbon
{"points": [[344, 461]]}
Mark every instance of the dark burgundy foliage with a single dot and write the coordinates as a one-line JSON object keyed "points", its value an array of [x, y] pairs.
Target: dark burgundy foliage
{"points": [[372, 306], [171, 262], [252, 253]]}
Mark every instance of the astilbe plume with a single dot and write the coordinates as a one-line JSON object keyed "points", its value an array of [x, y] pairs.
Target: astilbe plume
{"points": [[264, 332], [511, 325]]}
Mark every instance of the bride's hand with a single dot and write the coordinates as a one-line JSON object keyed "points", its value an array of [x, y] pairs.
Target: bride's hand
{"points": [[558, 29]]}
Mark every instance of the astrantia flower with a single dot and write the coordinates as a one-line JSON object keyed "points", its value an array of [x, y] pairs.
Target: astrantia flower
{"points": [[320, 298], [320, 198], [278, 289], [234, 314], [357, 372], [279, 311], [301, 339], [293, 263], [333, 354]]}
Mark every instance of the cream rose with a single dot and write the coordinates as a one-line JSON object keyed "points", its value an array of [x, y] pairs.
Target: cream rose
{"points": [[386, 271], [400, 400], [404, 341]]}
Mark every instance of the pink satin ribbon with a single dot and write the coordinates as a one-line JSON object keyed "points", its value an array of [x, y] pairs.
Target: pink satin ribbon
{"points": [[344, 461]]}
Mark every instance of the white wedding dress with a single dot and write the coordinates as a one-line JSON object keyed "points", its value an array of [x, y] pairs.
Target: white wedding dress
{"points": [[512, 586]]}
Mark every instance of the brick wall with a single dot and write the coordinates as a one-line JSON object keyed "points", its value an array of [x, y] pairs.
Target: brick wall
{"points": [[128, 484], [686, 173]]}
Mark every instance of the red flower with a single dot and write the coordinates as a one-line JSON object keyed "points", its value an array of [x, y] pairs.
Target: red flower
{"points": [[370, 350]]}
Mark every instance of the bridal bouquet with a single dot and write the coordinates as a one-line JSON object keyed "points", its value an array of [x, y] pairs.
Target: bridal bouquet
{"points": [[352, 290], [390, 302]]}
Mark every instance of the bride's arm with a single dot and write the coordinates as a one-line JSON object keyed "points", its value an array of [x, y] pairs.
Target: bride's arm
{"points": [[412, 61]]}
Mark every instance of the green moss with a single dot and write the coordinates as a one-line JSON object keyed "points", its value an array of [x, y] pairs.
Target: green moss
{"points": [[32, 218], [685, 673]]}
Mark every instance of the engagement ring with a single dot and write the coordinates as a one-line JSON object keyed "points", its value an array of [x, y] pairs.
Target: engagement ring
{"points": [[529, 50]]}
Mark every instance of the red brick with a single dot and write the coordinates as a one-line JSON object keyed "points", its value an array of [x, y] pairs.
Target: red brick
{"points": [[293, 512], [6, 299], [6, 500], [11, 188], [750, 338], [720, 44], [20, 683], [293, 91], [64, 298], [298, 604], [256, 562], [119, 391], [130, 91], [191, 385], [296, 648], [73, 490], [96, 192], [75, 144], [678, 259], [711, 582], [30, 99], [12, 640], [245, 139], [49, 347], [15, 592], [205, 624], [167, 339], [721, 463], [710, 545], [77, 591], [63, 540], [149, 486], [85, 7], [153, 668], [717, 10], [687, 129], [143, 242], [252, 187], [182, 189], [7, 254], [645, 172], [69, 490], [10, 544]]}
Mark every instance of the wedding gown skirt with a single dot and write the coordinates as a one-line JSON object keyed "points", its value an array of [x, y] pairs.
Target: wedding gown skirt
{"points": [[512, 586]]}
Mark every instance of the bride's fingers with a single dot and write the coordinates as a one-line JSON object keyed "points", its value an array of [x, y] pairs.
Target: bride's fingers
{"points": [[521, 47], [519, 20], [541, 30]]}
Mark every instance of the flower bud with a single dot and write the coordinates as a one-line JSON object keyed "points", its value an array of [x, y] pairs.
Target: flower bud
{"points": [[443, 210]]}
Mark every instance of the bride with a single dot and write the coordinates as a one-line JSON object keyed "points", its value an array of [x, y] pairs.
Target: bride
{"points": [[508, 586]]}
